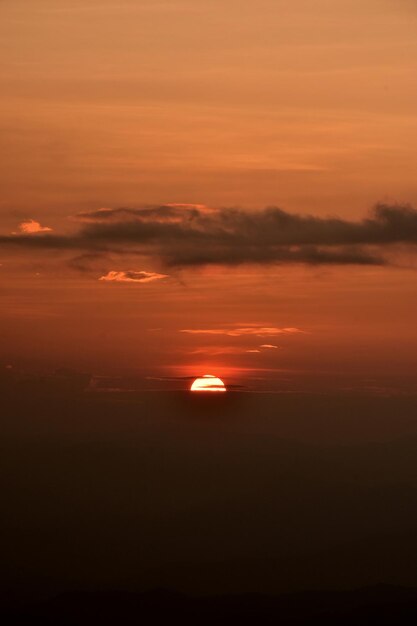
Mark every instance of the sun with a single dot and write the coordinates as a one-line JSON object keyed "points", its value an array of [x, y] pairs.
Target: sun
{"points": [[208, 383]]}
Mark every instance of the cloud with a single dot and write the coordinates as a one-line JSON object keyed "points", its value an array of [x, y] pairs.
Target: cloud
{"points": [[132, 277], [182, 235], [87, 261], [268, 346], [217, 350], [31, 227], [255, 330], [165, 214]]}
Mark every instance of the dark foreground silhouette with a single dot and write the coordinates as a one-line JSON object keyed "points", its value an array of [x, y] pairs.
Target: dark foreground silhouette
{"points": [[372, 605], [237, 505]]}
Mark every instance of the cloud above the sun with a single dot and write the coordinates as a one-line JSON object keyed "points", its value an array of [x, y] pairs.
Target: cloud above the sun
{"points": [[131, 276], [184, 235], [220, 350], [252, 330]]}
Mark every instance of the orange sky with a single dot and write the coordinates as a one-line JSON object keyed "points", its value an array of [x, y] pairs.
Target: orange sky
{"points": [[307, 106]]}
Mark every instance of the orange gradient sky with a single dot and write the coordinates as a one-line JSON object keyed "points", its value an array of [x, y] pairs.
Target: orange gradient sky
{"points": [[177, 111]]}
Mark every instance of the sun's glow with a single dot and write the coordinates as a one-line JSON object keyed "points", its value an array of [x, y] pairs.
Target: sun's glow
{"points": [[208, 383]]}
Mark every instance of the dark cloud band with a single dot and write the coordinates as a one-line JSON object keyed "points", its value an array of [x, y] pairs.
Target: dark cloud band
{"points": [[187, 235]]}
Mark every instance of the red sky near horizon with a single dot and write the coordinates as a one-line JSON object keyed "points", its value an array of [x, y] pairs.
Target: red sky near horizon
{"points": [[142, 144]]}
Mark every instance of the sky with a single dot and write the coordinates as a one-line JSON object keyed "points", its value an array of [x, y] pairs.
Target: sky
{"points": [[193, 187]]}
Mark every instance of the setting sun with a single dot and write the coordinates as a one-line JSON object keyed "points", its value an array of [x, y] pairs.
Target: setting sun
{"points": [[208, 383]]}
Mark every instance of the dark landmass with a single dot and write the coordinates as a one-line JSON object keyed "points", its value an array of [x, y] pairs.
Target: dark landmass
{"points": [[373, 605], [220, 497]]}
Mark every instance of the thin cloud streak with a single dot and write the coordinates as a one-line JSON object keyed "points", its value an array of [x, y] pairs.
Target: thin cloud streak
{"points": [[257, 331], [132, 277], [218, 350]]}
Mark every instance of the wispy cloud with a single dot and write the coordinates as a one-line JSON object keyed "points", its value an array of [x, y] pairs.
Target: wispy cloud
{"points": [[217, 350], [268, 346], [254, 330], [132, 277]]}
